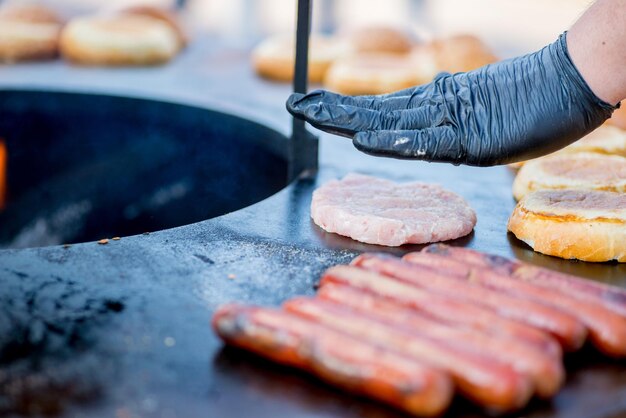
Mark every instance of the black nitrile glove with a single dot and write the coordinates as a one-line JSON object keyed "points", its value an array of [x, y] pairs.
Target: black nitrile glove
{"points": [[505, 112]]}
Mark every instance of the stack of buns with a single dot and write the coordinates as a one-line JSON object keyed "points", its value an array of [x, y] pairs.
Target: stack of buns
{"points": [[572, 204], [139, 35], [371, 60]]}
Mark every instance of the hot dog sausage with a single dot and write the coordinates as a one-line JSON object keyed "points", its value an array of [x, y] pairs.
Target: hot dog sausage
{"points": [[443, 308], [488, 383], [346, 362], [546, 372], [550, 319]]}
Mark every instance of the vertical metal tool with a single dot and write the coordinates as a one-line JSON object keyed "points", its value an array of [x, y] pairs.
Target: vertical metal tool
{"points": [[303, 146]]}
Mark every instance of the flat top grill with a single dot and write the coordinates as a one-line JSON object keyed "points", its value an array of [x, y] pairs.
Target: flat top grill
{"points": [[123, 329]]}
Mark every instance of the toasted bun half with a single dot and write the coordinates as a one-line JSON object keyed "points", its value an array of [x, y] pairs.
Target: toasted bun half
{"points": [[28, 32], [371, 74], [274, 58], [587, 225], [619, 117], [119, 40], [607, 139], [380, 39], [584, 170]]}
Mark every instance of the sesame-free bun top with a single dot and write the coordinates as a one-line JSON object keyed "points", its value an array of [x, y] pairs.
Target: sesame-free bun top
{"points": [[588, 171], [461, 53], [588, 225], [28, 32], [29, 13], [371, 74], [382, 39], [167, 16], [274, 58], [119, 40]]}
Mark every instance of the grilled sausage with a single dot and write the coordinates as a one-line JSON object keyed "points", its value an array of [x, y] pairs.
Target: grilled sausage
{"points": [[490, 384], [493, 280], [346, 362], [553, 320], [546, 372], [443, 308], [612, 297], [598, 312]]}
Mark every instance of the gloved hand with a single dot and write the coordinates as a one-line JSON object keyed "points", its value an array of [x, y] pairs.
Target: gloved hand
{"points": [[505, 112]]}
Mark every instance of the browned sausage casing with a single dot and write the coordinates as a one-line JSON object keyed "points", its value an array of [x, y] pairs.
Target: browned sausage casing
{"points": [[612, 297], [335, 357], [490, 384], [546, 372], [607, 327], [451, 310], [560, 324]]}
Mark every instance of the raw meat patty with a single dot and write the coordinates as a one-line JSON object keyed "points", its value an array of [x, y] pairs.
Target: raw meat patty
{"points": [[377, 211]]}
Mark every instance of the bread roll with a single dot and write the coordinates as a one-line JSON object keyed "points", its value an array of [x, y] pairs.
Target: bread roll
{"points": [[619, 117], [371, 74], [461, 53], [607, 139], [585, 170], [274, 58], [588, 225], [28, 32], [381, 39], [456, 54], [166, 16], [119, 40]]}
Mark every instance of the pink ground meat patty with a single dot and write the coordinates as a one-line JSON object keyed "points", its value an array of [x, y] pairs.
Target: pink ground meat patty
{"points": [[378, 211]]}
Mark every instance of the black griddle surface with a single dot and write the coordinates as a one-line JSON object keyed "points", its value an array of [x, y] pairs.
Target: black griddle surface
{"points": [[122, 330]]}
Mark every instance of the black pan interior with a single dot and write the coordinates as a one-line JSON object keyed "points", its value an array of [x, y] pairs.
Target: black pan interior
{"points": [[82, 167]]}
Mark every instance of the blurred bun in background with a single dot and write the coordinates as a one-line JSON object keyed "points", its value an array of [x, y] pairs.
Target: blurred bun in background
{"points": [[28, 32], [119, 40], [164, 15], [274, 58], [373, 73], [382, 39], [460, 53]]}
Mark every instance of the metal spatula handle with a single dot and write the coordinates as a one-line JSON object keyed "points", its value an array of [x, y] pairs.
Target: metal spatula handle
{"points": [[303, 146]]}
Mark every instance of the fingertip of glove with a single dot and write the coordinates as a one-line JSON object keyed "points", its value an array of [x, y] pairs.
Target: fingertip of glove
{"points": [[364, 140], [292, 102]]}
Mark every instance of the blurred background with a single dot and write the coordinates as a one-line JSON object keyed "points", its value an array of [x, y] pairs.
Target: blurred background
{"points": [[510, 27]]}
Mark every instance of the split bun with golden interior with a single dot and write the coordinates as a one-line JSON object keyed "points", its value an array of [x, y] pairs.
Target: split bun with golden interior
{"points": [[584, 170], [588, 225]]}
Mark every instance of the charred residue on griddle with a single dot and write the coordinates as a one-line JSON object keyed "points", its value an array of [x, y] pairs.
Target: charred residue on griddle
{"points": [[437, 249], [47, 329], [204, 258], [500, 262]]}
